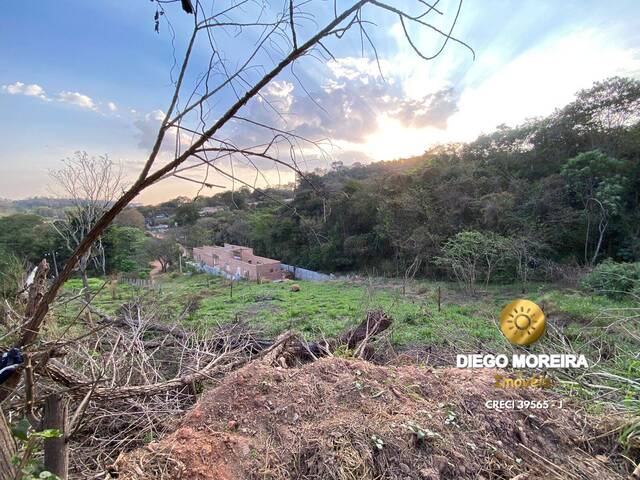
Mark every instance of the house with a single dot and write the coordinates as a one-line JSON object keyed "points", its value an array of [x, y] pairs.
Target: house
{"points": [[238, 261], [206, 211], [161, 228]]}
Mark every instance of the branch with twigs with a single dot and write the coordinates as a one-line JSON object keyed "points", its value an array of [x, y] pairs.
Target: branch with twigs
{"points": [[282, 28]]}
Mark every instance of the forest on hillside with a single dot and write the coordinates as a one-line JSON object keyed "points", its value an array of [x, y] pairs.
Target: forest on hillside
{"points": [[522, 202], [559, 190]]}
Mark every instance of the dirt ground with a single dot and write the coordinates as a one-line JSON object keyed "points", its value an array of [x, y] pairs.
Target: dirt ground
{"points": [[349, 419]]}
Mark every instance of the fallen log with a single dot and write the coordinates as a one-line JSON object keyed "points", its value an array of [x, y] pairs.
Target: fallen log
{"points": [[376, 322], [355, 341], [65, 375]]}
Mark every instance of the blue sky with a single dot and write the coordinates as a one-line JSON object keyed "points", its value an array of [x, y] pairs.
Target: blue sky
{"points": [[94, 76]]}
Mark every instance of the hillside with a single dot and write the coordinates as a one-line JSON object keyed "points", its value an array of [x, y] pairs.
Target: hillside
{"points": [[547, 183]]}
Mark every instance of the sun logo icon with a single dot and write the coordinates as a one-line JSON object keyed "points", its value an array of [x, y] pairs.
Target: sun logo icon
{"points": [[522, 322]]}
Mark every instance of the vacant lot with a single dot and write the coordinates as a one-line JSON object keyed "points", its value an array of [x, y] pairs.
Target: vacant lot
{"points": [[596, 326], [408, 400]]}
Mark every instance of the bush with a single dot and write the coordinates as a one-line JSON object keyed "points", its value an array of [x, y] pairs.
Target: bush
{"points": [[12, 273], [468, 256], [613, 279]]}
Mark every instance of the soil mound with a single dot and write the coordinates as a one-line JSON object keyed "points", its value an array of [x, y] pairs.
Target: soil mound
{"points": [[351, 420]]}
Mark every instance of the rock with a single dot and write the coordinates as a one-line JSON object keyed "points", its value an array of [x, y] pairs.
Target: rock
{"points": [[440, 462], [429, 473]]}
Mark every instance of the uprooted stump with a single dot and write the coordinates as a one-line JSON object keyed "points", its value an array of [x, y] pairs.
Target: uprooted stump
{"points": [[349, 419], [292, 350], [376, 322]]}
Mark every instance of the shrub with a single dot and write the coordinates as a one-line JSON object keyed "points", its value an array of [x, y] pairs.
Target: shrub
{"points": [[472, 255], [613, 279], [12, 272]]}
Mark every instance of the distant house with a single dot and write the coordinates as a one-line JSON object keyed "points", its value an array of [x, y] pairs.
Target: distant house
{"points": [[206, 211], [238, 261], [163, 227]]}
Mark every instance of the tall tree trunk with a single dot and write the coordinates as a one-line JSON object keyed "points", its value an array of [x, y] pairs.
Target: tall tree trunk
{"points": [[56, 452], [586, 238], [87, 295], [85, 285], [602, 228], [7, 449]]}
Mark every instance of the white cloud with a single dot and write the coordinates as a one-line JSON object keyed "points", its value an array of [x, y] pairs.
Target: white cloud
{"points": [[72, 98], [280, 94], [356, 95], [77, 99], [147, 127], [498, 88], [157, 115], [352, 68], [30, 90], [540, 80], [279, 88]]}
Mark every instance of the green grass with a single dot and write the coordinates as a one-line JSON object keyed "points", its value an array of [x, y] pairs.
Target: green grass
{"points": [[464, 323], [327, 309], [317, 309]]}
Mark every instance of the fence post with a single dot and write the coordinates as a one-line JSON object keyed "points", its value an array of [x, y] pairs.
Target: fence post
{"points": [[56, 452]]}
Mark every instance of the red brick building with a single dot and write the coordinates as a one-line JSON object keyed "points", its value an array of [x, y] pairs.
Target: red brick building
{"points": [[238, 261]]}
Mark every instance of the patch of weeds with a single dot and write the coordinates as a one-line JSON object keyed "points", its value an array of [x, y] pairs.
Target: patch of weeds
{"points": [[421, 434], [378, 443], [630, 436], [451, 418], [343, 351], [415, 392]]}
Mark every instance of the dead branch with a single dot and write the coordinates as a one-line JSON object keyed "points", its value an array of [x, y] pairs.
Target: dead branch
{"points": [[281, 27]]}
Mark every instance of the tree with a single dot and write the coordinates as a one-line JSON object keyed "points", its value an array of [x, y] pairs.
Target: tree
{"points": [[186, 214], [26, 236], [126, 249], [596, 181], [523, 250], [215, 98], [91, 184], [602, 112], [166, 251], [130, 217], [468, 255], [12, 272]]}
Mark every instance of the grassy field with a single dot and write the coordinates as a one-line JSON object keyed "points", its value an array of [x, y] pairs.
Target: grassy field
{"points": [[577, 322], [606, 331]]}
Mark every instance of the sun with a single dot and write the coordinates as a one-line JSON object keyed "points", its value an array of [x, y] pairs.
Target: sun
{"points": [[522, 322]]}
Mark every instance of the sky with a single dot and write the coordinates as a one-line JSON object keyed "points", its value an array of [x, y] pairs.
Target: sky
{"points": [[95, 76]]}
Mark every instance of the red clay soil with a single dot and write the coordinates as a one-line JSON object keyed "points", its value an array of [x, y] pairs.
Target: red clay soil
{"points": [[351, 420]]}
